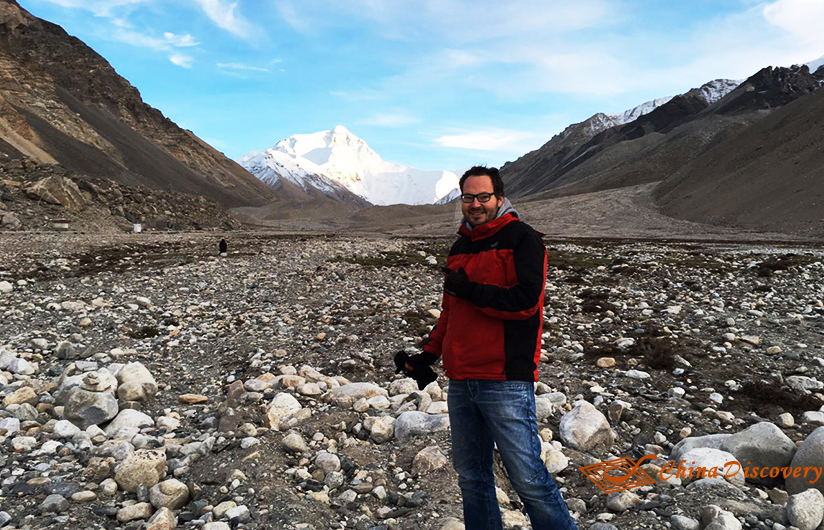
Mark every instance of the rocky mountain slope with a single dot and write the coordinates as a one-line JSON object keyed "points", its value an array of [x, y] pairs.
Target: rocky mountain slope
{"points": [[62, 103], [33, 196], [338, 164], [144, 378], [666, 142], [545, 168], [769, 175]]}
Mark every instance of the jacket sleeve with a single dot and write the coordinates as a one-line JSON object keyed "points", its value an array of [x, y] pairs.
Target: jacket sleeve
{"points": [[522, 300], [437, 334]]}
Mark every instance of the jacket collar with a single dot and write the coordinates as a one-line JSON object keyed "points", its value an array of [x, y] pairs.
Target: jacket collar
{"points": [[488, 228]]}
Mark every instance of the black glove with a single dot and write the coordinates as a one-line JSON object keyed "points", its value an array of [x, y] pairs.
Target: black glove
{"points": [[418, 367], [457, 283]]}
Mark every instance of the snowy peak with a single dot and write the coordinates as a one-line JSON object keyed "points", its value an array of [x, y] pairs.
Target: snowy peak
{"points": [[334, 159], [717, 89], [709, 92], [636, 112]]}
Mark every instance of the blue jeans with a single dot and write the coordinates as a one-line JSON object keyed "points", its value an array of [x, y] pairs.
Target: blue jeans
{"points": [[484, 413]]}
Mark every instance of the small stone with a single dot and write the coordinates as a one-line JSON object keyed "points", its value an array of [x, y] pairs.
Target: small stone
{"points": [[171, 494], [21, 395], [616, 410], [108, 487], [129, 419], [379, 493], [605, 362], [621, 501], [141, 510], [238, 512], [281, 406], [193, 399], [513, 518], [585, 427], [428, 459], [163, 519], [10, 425], [383, 429], [136, 383], [294, 443], [414, 423], [751, 339], [778, 496], [221, 509], [23, 444], [814, 417], [85, 408], [805, 510], [785, 420], [219, 525], [54, 504], [84, 496], [143, 467], [680, 522], [327, 462], [143, 301]]}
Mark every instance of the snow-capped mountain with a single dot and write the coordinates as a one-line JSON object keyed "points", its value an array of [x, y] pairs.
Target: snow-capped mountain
{"points": [[815, 65], [451, 196], [337, 159], [717, 89], [636, 112], [710, 92]]}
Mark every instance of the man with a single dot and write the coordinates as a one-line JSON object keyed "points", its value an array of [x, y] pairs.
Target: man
{"points": [[489, 336]]}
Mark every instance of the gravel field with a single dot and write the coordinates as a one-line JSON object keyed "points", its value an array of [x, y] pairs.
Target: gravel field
{"points": [[149, 383]]}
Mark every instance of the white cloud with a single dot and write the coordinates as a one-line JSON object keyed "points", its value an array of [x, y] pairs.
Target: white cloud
{"points": [[180, 41], [451, 20], [800, 18], [491, 139], [238, 66], [226, 16], [389, 120], [595, 49], [181, 60], [139, 39], [168, 42]]}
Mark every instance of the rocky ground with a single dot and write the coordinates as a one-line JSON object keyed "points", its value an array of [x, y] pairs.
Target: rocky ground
{"points": [[33, 195], [148, 382]]}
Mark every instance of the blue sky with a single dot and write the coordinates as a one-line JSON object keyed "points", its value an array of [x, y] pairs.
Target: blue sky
{"points": [[434, 84]]}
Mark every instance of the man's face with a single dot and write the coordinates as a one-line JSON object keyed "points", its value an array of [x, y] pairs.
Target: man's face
{"points": [[476, 212]]}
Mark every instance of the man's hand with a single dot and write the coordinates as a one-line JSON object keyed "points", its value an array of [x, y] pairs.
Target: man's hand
{"points": [[457, 283], [418, 367]]}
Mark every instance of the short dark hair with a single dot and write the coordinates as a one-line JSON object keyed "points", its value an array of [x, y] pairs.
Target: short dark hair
{"points": [[491, 172]]}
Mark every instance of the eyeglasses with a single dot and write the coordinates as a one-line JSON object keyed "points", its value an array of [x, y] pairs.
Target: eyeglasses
{"points": [[468, 198]]}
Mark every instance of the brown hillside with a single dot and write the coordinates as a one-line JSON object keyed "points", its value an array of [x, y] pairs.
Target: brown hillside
{"points": [[769, 177], [61, 102], [656, 145]]}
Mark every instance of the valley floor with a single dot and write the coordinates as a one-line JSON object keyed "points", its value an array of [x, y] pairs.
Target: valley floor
{"points": [[738, 329], [616, 214]]}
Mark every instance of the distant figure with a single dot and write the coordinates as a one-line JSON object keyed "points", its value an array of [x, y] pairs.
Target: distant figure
{"points": [[223, 248]]}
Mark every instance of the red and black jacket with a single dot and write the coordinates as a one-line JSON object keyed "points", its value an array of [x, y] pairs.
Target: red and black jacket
{"points": [[496, 332]]}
